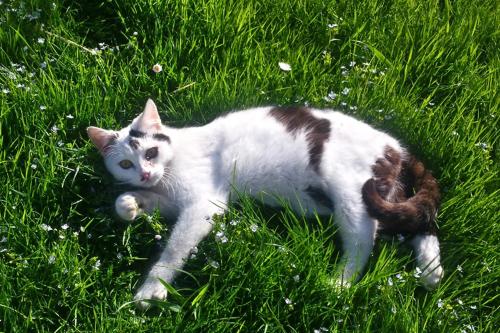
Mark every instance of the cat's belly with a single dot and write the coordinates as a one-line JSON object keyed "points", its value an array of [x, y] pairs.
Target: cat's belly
{"points": [[304, 196]]}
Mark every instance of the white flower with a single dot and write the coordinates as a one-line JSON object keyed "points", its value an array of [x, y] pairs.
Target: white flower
{"points": [[43, 107], [418, 272], [389, 282], [284, 66], [54, 129], [65, 226], [332, 25], [346, 91], [440, 303], [157, 237], [46, 227], [460, 269], [288, 301], [214, 264], [157, 68], [34, 166], [5, 90], [97, 264], [254, 227], [40, 40], [193, 252], [135, 33], [221, 237], [482, 145], [331, 96], [69, 116], [393, 309], [52, 259], [234, 222], [296, 278], [352, 63]]}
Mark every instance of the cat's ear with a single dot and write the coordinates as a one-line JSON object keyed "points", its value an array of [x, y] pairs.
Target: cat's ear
{"points": [[102, 139], [149, 118]]}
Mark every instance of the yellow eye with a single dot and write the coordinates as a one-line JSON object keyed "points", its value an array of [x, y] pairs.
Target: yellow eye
{"points": [[126, 164]]}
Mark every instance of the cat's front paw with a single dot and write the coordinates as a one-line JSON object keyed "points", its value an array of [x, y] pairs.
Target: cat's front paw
{"points": [[127, 206], [152, 289]]}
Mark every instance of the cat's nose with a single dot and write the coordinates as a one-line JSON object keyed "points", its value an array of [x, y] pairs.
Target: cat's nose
{"points": [[145, 176]]}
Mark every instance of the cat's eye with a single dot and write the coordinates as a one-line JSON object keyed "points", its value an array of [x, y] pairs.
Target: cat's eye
{"points": [[126, 164], [151, 153]]}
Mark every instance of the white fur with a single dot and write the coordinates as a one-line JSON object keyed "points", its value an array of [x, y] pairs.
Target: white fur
{"points": [[252, 152]]}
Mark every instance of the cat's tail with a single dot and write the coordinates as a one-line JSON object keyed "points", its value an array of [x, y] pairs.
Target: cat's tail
{"points": [[410, 204]]}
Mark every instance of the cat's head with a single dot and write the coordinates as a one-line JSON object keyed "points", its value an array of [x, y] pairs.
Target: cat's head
{"points": [[137, 154]]}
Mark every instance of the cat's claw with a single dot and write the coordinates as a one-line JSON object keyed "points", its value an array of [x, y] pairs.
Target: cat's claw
{"points": [[127, 207], [152, 289]]}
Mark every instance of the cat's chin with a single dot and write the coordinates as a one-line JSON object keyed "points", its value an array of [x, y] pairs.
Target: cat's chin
{"points": [[148, 184]]}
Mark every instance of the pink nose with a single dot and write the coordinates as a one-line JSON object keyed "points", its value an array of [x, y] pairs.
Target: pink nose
{"points": [[145, 176]]}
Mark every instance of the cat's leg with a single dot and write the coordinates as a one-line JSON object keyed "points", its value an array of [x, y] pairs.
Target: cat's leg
{"points": [[130, 205], [357, 230], [194, 224], [426, 248]]}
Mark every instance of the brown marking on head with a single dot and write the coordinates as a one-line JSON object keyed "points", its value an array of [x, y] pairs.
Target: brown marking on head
{"points": [[161, 137], [317, 130], [136, 133], [402, 194], [134, 143]]}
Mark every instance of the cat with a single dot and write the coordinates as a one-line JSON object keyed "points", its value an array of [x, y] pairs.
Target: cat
{"points": [[321, 161]]}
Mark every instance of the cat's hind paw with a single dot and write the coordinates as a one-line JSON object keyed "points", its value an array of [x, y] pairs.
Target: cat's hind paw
{"points": [[153, 290], [127, 207], [431, 279]]}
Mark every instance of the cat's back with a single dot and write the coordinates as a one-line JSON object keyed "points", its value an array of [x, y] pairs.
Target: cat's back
{"points": [[275, 123], [299, 141]]}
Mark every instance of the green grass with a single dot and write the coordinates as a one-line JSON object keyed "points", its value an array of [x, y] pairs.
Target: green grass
{"points": [[425, 71]]}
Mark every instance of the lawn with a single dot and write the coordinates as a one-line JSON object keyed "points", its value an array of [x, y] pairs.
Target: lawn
{"points": [[425, 71]]}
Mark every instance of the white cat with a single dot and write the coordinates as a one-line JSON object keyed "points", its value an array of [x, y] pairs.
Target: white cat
{"points": [[321, 162]]}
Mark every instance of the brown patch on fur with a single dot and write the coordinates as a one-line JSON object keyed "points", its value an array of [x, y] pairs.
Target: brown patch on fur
{"points": [[402, 195], [317, 130], [320, 197]]}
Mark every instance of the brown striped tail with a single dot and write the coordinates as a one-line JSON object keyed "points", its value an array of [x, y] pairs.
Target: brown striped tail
{"points": [[402, 212]]}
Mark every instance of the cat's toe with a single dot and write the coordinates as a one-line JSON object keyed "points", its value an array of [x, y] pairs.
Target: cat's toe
{"points": [[150, 290], [127, 207]]}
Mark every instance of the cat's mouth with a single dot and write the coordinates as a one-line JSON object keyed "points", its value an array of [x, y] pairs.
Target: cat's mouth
{"points": [[149, 180]]}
